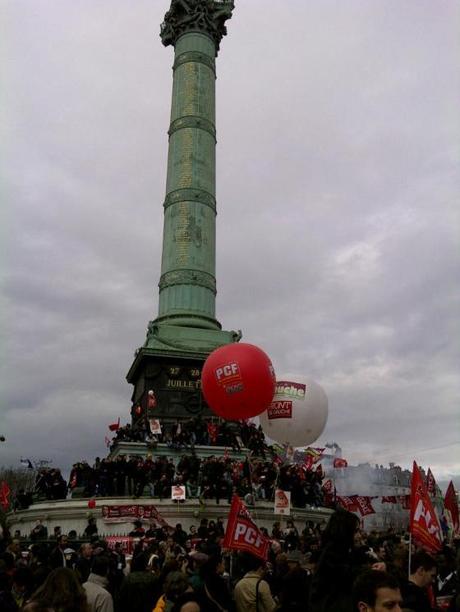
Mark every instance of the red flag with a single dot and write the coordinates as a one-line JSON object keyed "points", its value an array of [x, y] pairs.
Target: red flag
{"points": [[213, 431], [364, 505], [340, 463], [242, 533], [451, 504], [5, 495], [389, 499], [115, 426], [423, 524], [430, 483], [349, 503], [312, 456]]}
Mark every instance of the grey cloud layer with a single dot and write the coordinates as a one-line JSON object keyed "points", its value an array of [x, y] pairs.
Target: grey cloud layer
{"points": [[337, 226]]}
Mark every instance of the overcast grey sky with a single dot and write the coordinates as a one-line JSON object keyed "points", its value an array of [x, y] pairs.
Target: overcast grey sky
{"points": [[338, 225]]}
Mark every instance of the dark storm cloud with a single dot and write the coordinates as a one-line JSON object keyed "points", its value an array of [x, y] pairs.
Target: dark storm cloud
{"points": [[337, 225]]}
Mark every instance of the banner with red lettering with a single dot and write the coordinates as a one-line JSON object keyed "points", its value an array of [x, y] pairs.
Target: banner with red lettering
{"points": [[423, 524], [127, 543], [125, 514], [451, 504], [242, 533]]}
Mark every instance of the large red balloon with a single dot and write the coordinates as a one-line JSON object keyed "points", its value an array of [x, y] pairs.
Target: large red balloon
{"points": [[238, 381]]}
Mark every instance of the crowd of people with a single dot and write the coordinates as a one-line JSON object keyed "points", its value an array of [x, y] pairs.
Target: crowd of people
{"points": [[331, 567], [197, 432], [216, 477]]}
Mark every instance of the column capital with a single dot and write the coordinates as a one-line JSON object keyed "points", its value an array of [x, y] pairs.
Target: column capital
{"points": [[207, 16]]}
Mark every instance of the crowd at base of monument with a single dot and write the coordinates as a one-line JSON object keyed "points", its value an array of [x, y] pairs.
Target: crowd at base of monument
{"points": [[215, 477], [194, 432], [330, 567]]}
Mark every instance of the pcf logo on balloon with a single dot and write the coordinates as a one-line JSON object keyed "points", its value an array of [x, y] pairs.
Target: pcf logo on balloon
{"points": [[238, 381], [229, 377]]}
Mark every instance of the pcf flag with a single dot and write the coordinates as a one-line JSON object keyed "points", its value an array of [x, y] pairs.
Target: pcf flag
{"points": [[242, 533], [451, 504], [423, 525]]}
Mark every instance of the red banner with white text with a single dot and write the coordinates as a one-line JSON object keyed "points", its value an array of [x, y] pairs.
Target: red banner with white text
{"points": [[125, 514], [242, 533]]}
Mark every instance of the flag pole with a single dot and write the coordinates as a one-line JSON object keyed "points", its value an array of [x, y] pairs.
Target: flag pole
{"points": [[410, 554]]}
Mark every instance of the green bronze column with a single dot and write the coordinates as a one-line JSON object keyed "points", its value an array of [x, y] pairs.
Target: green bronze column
{"points": [[186, 330], [188, 284]]}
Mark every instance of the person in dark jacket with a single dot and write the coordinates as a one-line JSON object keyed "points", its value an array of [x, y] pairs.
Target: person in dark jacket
{"points": [[339, 564], [140, 589], [422, 576], [215, 589]]}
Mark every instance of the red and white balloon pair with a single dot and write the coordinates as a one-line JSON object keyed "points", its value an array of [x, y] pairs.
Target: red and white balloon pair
{"points": [[239, 382]]}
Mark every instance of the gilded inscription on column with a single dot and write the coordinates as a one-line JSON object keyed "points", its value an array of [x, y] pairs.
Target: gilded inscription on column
{"points": [[186, 233], [190, 92], [182, 235], [185, 159]]}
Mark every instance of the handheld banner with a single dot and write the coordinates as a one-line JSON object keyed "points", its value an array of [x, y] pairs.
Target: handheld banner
{"points": [[282, 502], [178, 492], [242, 533]]}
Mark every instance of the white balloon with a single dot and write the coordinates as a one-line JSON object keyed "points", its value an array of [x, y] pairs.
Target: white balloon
{"points": [[298, 412]]}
